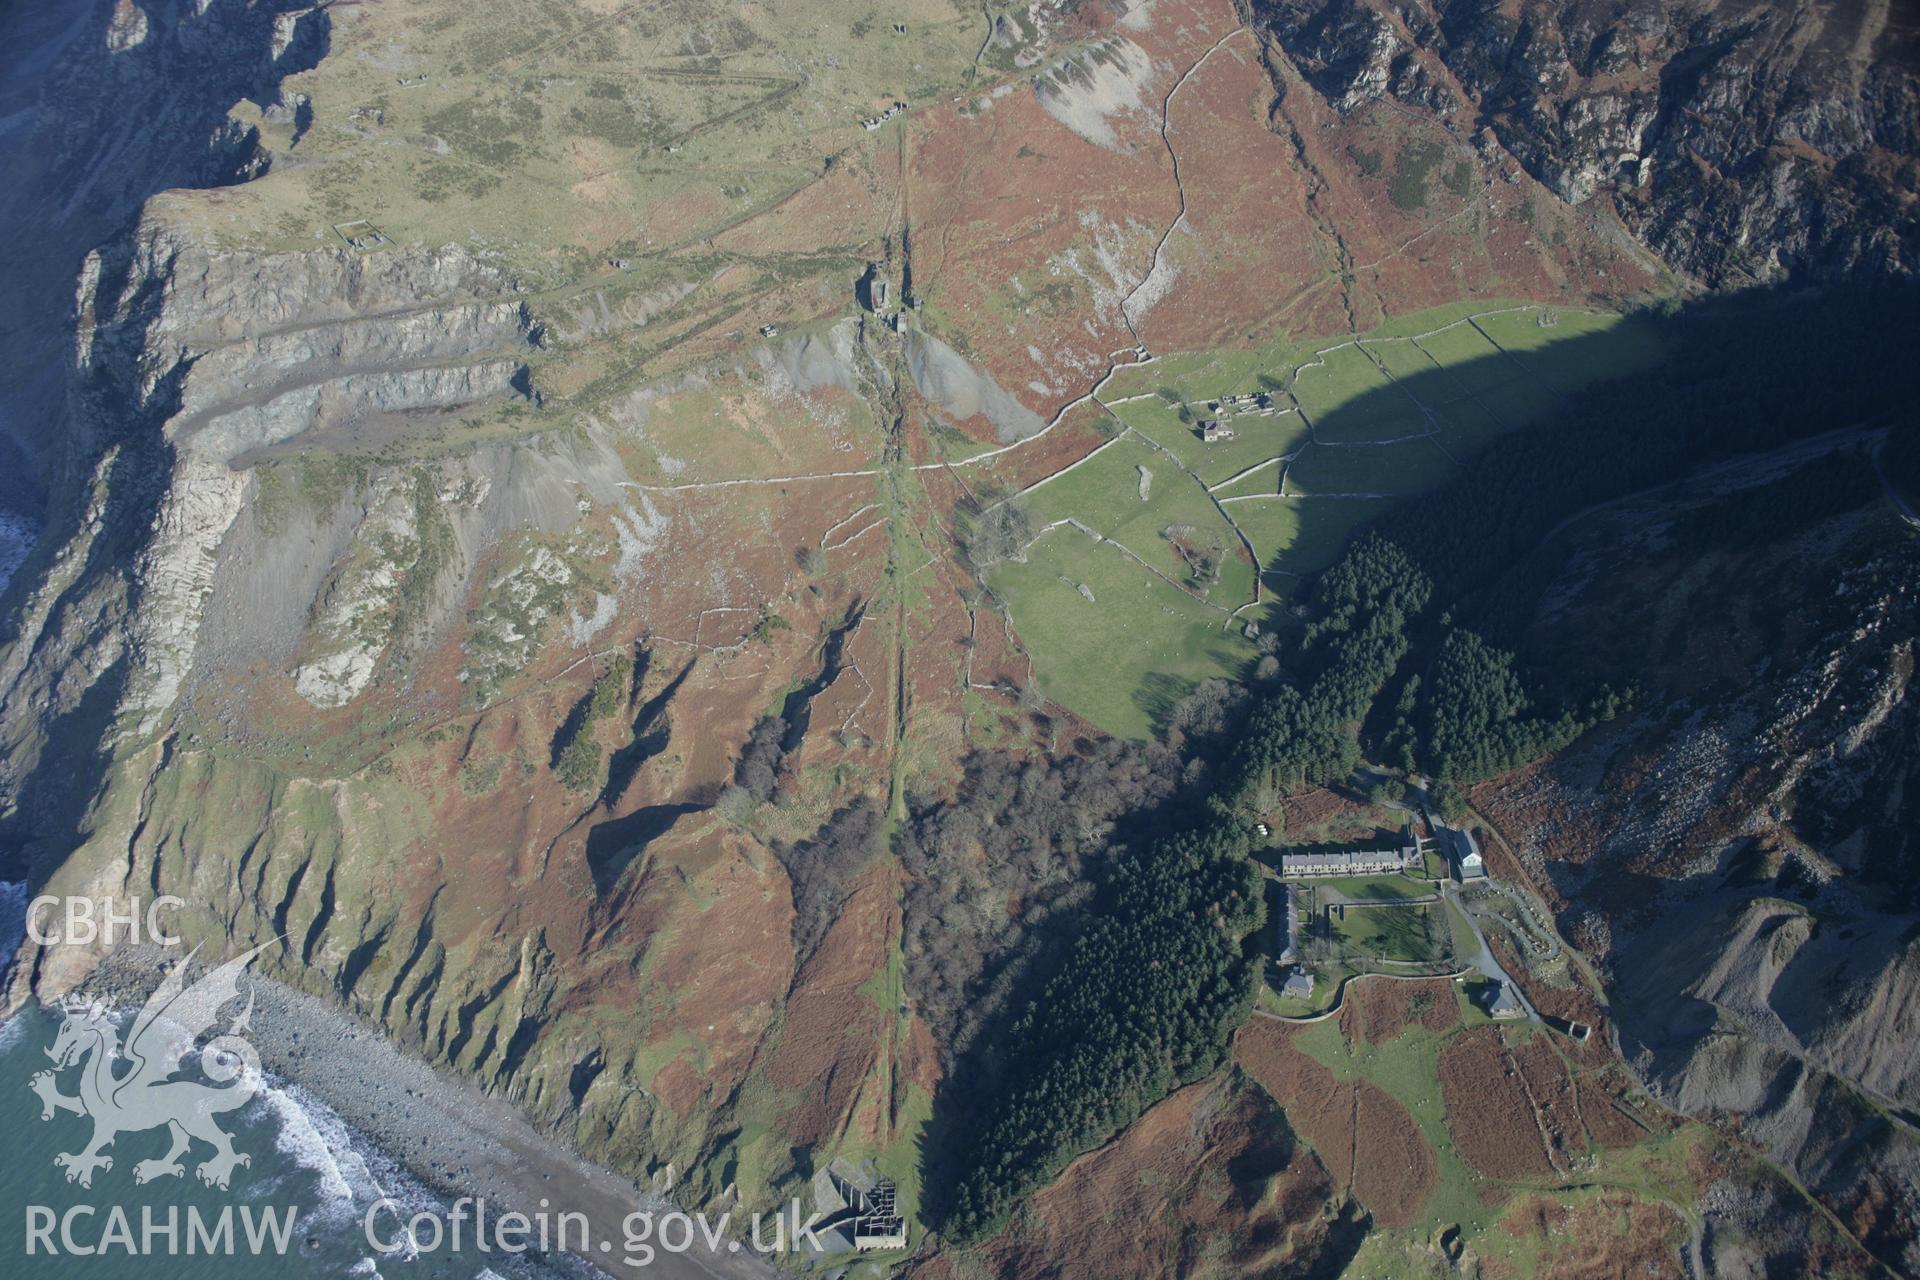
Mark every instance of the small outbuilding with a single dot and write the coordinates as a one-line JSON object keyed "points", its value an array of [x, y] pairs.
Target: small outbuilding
{"points": [[870, 290]]}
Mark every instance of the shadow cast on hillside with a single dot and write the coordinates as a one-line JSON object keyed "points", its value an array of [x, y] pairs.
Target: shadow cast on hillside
{"points": [[1536, 439], [1735, 374], [1413, 432]]}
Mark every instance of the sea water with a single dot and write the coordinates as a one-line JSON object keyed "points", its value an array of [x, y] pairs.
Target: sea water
{"points": [[17, 536], [307, 1167]]}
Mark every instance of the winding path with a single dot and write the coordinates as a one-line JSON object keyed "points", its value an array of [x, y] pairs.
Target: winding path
{"points": [[1485, 961], [1341, 1001]]}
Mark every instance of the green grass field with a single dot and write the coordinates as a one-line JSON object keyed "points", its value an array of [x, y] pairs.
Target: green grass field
{"points": [[1576, 347], [1384, 416], [1260, 480], [1338, 378], [1471, 362], [1256, 438], [1404, 360], [1295, 537], [1471, 424], [1362, 888], [1409, 933], [1122, 658], [1104, 493], [1384, 470]]}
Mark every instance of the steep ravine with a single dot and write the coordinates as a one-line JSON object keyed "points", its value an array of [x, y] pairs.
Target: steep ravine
{"points": [[280, 485]]}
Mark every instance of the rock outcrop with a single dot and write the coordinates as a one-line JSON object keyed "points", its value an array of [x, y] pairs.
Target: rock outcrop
{"points": [[1740, 141], [108, 105], [231, 353]]}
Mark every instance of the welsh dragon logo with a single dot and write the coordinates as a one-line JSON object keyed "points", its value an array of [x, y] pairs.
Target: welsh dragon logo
{"points": [[147, 1095]]}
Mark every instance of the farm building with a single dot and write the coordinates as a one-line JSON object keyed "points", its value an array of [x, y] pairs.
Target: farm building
{"points": [[1214, 430]]}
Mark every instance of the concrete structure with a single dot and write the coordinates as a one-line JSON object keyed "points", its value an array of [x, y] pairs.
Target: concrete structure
{"points": [[861, 1208], [870, 290], [877, 1223], [360, 234]]}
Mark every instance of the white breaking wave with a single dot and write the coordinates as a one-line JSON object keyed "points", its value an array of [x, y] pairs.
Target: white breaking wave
{"points": [[11, 1029], [13, 916], [313, 1136], [315, 1139], [17, 537]]}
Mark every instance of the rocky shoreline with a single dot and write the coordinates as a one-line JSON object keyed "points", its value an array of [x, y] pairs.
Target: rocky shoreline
{"points": [[444, 1132]]}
